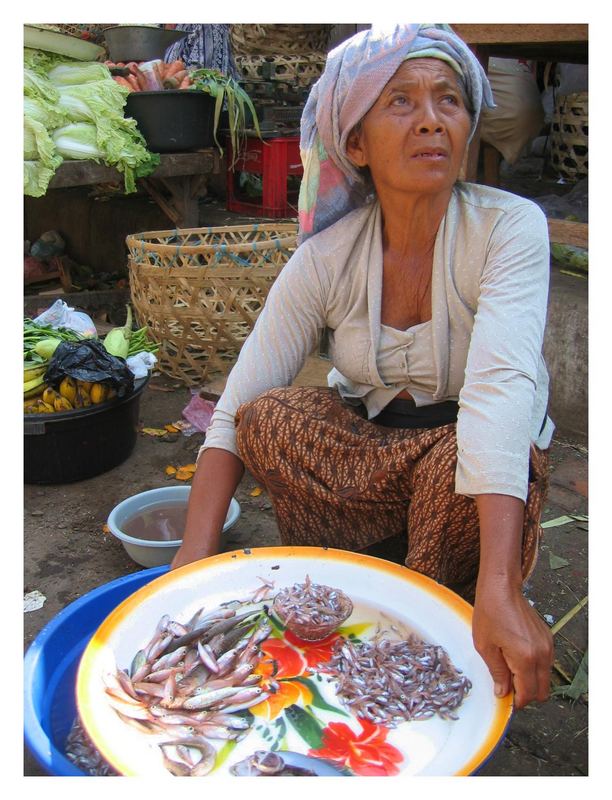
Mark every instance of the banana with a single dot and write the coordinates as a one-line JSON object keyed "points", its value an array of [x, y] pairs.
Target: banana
{"points": [[82, 398], [68, 389], [62, 404], [34, 387], [34, 371], [98, 393], [49, 395]]}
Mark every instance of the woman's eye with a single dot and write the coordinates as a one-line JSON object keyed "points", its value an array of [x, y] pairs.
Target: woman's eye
{"points": [[400, 100], [451, 98]]}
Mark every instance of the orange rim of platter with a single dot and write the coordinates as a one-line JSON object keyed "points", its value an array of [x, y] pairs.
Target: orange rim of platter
{"points": [[461, 608]]}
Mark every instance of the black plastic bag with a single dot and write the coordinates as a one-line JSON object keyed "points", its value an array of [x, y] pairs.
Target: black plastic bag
{"points": [[89, 361]]}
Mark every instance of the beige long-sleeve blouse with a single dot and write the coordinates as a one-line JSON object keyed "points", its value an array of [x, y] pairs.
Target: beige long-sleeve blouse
{"points": [[482, 347]]}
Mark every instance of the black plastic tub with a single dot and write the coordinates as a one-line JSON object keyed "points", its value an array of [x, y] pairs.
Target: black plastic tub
{"points": [[71, 446], [173, 120]]}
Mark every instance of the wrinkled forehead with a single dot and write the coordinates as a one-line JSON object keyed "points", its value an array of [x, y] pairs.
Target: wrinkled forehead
{"points": [[431, 69]]}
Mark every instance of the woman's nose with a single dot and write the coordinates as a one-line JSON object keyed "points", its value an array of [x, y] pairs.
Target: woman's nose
{"points": [[429, 120]]}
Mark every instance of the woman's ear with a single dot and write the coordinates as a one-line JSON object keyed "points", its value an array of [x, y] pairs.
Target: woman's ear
{"points": [[355, 150]]}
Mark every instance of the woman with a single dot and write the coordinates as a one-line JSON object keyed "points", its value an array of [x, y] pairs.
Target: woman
{"points": [[205, 46], [434, 295]]}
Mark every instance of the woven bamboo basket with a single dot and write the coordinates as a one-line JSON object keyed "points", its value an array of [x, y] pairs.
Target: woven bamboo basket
{"points": [[569, 141], [200, 291], [302, 70], [252, 40]]}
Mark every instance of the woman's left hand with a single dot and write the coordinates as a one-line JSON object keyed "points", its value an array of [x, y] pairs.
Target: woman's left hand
{"points": [[514, 642]]}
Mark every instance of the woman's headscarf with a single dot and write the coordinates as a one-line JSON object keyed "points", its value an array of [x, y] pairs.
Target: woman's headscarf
{"points": [[355, 74]]}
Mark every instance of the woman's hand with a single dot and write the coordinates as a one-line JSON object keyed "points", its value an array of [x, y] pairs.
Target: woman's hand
{"points": [[514, 642]]}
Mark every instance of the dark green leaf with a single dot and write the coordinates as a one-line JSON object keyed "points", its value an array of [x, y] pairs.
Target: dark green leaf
{"points": [[218, 107], [276, 624], [306, 725]]}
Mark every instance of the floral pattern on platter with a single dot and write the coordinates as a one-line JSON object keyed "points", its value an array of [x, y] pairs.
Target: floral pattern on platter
{"points": [[296, 701], [366, 753]]}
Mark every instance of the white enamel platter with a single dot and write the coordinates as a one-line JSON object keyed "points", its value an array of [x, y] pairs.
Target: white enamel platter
{"points": [[379, 589]]}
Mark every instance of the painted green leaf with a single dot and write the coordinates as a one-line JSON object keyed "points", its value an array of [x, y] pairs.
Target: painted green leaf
{"points": [[317, 698], [224, 752], [308, 727], [277, 626], [356, 630]]}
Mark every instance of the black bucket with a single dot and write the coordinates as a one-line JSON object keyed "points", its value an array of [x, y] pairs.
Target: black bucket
{"points": [[71, 446], [173, 120]]}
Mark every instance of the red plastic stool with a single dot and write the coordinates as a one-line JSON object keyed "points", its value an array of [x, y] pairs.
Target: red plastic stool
{"points": [[275, 160]]}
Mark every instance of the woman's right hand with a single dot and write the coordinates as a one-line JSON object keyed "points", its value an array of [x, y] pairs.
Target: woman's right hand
{"points": [[186, 554], [216, 478]]}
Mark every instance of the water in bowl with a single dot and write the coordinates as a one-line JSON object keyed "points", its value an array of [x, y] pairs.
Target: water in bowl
{"points": [[158, 524]]}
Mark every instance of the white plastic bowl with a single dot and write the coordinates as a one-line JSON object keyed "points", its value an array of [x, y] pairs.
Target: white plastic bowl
{"points": [[152, 553]]}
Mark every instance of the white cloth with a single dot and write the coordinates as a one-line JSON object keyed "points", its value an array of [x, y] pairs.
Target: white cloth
{"points": [[489, 300]]}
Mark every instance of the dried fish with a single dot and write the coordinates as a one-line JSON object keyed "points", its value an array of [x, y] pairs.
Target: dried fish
{"points": [[312, 611], [267, 764], [392, 681]]}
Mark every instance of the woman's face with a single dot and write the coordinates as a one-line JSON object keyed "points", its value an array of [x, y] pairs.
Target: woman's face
{"points": [[414, 137]]}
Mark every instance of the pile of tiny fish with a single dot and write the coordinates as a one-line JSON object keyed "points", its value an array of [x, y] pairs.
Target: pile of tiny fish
{"points": [[310, 606], [191, 682], [267, 764], [80, 750], [389, 682]]}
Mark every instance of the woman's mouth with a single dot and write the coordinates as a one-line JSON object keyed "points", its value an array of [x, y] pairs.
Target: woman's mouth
{"points": [[430, 155]]}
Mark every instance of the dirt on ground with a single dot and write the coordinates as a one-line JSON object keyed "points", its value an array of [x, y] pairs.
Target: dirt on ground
{"points": [[68, 553]]}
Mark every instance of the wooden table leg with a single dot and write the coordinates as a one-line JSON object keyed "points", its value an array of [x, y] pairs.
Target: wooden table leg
{"points": [[179, 201], [491, 160]]}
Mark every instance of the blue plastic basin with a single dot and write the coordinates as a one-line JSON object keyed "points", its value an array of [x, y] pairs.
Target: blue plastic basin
{"points": [[50, 668]]}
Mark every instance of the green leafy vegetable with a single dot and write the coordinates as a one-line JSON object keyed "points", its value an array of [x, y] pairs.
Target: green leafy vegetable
{"points": [[74, 110], [36, 176], [227, 91], [78, 140], [570, 256], [39, 152], [73, 73], [122, 148]]}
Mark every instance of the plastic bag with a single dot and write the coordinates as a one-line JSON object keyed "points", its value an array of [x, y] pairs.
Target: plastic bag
{"points": [[199, 412], [150, 72], [61, 315], [89, 361], [140, 363]]}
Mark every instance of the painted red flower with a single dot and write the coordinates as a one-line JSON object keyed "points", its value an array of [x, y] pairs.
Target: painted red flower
{"points": [[365, 753], [314, 652], [280, 663]]}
